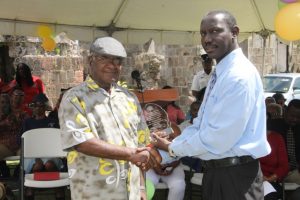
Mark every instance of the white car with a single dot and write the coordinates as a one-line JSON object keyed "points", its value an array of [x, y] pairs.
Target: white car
{"points": [[286, 83]]}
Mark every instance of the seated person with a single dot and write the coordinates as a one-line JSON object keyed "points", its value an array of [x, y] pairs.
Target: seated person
{"points": [[274, 111], [170, 173], [54, 113], [269, 100], [200, 95], [280, 100], [10, 126], [5, 134], [40, 120], [194, 108], [199, 99], [275, 165], [175, 114]]}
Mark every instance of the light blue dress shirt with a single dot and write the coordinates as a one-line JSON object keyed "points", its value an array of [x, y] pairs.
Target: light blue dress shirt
{"points": [[232, 121]]}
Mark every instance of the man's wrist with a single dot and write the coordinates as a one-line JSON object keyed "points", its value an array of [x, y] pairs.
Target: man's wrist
{"points": [[142, 187]]}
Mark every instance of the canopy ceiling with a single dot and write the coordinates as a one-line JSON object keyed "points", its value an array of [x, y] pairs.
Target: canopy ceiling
{"points": [[131, 21]]}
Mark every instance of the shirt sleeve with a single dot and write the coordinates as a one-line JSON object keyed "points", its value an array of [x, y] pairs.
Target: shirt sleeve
{"points": [[195, 83], [73, 121], [222, 126]]}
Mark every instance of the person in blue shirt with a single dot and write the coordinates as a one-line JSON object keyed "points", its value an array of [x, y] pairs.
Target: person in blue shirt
{"points": [[229, 133]]}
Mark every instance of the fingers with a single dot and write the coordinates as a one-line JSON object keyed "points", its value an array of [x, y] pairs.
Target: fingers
{"points": [[146, 158], [140, 158], [140, 149], [152, 161], [159, 142]]}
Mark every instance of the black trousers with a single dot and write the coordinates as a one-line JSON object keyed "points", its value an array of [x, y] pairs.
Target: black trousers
{"points": [[239, 182]]}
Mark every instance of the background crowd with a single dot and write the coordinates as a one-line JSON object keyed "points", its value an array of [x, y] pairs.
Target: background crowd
{"points": [[25, 106]]}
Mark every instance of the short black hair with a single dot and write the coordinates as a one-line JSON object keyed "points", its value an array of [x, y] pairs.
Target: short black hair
{"points": [[206, 58], [27, 73], [228, 17], [277, 96], [41, 98]]}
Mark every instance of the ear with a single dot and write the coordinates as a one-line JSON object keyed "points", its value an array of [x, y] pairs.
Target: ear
{"points": [[235, 31]]}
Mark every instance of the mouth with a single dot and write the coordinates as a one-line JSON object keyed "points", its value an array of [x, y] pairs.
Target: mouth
{"points": [[210, 48]]}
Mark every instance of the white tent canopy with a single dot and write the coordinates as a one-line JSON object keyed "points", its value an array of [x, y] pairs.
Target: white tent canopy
{"points": [[131, 21]]}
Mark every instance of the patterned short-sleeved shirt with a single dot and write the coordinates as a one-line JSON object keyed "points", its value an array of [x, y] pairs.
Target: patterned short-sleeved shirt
{"points": [[88, 111]]}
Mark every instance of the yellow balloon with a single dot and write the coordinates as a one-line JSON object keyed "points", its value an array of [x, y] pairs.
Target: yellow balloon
{"points": [[44, 31], [48, 44], [287, 22]]}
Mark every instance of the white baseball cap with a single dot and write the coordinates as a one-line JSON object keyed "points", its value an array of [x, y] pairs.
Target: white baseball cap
{"points": [[108, 46]]}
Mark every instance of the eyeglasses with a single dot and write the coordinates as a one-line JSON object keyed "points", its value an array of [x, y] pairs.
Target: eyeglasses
{"points": [[109, 59]]}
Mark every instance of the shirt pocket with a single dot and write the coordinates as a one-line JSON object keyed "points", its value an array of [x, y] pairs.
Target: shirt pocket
{"points": [[212, 99]]}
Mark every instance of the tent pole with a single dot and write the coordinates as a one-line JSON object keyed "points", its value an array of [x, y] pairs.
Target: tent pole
{"points": [[264, 34]]}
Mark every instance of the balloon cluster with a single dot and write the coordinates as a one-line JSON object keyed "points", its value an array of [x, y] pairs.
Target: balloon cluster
{"points": [[45, 32], [287, 20]]}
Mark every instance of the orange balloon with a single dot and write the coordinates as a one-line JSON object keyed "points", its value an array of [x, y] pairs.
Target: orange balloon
{"points": [[48, 44], [287, 22], [44, 31]]}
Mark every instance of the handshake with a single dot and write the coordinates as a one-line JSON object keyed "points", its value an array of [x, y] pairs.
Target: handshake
{"points": [[146, 158], [155, 153]]}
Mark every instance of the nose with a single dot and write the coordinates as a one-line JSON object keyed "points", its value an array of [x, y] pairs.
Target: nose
{"points": [[206, 39]]}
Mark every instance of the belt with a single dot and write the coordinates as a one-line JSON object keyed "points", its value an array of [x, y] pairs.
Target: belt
{"points": [[226, 162]]}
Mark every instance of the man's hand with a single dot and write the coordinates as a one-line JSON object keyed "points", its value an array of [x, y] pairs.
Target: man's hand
{"points": [[144, 159], [160, 142], [143, 195]]}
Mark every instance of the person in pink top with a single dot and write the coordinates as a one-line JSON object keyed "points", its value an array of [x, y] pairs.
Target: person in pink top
{"points": [[175, 114], [30, 84]]}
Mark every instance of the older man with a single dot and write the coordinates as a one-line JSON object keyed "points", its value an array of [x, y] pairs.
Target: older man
{"points": [[102, 128]]}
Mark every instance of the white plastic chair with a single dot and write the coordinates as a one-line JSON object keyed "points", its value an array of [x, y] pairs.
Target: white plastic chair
{"points": [[41, 143], [197, 179]]}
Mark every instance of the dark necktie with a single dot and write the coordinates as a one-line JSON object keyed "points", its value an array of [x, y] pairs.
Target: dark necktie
{"points": [[211, 85]]}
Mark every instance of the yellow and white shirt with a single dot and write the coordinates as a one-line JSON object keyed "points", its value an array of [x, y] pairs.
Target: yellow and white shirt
{"points": [[88, 111]]}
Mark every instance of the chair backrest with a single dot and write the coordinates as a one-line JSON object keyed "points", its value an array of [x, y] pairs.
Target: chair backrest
{"points": [[42, 143]]}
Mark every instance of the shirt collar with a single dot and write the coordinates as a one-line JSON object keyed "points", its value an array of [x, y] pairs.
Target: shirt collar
{"points": [[226, 61], [94, 86]]}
